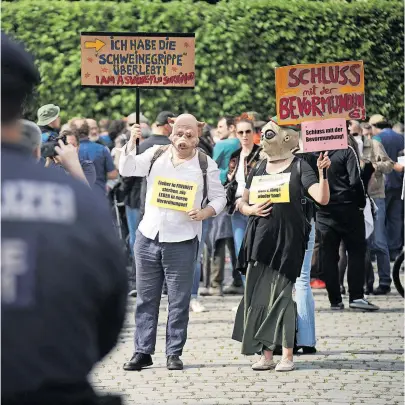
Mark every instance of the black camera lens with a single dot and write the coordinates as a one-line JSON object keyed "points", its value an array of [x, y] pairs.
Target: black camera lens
{"points": [[48, 148]]}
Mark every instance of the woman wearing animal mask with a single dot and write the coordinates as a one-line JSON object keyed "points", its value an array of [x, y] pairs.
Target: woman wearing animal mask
{"points": [[273, 249]]}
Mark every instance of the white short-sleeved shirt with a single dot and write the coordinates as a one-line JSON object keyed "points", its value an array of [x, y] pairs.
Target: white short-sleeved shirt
{"points": [[240, 177]]}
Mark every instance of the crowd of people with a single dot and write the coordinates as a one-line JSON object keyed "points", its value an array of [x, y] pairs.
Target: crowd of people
{"points": [[345, 210], [364, 181]]}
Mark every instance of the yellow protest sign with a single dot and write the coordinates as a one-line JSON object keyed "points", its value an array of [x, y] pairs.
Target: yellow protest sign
{"points": [[173, 194], [273, 187]]}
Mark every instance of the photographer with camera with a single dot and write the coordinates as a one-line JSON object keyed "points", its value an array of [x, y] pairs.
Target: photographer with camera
{"points": [[62, 154]]}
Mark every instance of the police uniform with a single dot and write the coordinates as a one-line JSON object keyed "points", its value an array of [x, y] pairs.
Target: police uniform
{"points": [[64, 283]]}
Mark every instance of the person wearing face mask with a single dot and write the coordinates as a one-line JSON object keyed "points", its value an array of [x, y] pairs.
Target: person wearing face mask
{"points": [[273, 249], [167, 239], [356, 131], [135, 187], [366, 129]]}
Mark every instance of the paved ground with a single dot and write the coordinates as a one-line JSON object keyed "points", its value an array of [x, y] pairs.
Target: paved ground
{"points": [[359, 360]]}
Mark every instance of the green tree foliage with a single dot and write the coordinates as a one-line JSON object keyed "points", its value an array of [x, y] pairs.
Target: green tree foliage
{"points": [[239, 43]]}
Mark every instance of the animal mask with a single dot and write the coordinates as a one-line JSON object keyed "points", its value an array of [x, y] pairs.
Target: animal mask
{"points": [[278, 142], [186, 131]]}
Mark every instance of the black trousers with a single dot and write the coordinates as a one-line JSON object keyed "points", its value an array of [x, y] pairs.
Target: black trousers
{"points": [[368, 271], [345, 223]]}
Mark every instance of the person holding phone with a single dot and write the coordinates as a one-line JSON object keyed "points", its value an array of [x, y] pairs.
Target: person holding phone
{"points": [[273, 249]]}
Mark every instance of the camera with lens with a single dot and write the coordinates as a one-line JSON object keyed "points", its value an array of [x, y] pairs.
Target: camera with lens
{"points": [[48, 147]]}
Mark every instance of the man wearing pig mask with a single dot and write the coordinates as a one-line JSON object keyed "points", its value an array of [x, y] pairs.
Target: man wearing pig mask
{"points": [[167, 239]]}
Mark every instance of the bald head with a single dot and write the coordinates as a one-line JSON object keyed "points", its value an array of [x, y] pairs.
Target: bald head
{"points": [[93, 127], [81, 127]]}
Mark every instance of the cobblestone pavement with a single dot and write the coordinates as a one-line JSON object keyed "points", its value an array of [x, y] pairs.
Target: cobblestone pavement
{"points": [[359, 360]]}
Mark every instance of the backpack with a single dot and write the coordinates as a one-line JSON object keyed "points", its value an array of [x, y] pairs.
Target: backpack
{"points": [[203, 161]]}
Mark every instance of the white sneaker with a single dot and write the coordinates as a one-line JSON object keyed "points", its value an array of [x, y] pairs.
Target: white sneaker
{"points": [[285, 365], [363, 304], [263, 364], [196, 306]]}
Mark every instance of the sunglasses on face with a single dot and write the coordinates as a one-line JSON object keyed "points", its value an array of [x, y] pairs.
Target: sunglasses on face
{"points": [[248, 132]]}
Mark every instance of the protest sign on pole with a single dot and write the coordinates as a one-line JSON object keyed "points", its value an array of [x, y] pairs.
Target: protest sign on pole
{"points": [[117, 59], [318, 136], [312, 92], [147, 60]]}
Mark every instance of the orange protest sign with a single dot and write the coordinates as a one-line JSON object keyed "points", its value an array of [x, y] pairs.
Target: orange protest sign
{"points": [[116, 59], [314, 92]]}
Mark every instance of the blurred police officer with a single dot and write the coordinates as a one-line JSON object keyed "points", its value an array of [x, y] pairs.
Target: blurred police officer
{"points": [[63, 278]]}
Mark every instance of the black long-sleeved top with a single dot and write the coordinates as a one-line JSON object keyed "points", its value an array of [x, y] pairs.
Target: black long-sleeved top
{"points": [[344, 177]]}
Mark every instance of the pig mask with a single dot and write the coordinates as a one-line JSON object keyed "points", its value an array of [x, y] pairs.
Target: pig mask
{"points": [[185, 134], [278, 142]]}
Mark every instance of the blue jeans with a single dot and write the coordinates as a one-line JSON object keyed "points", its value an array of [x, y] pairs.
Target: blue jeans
{"points": [[239, 224], [380, 244], [197, 271], [394, 220], [133, 222], [305, 299]]}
